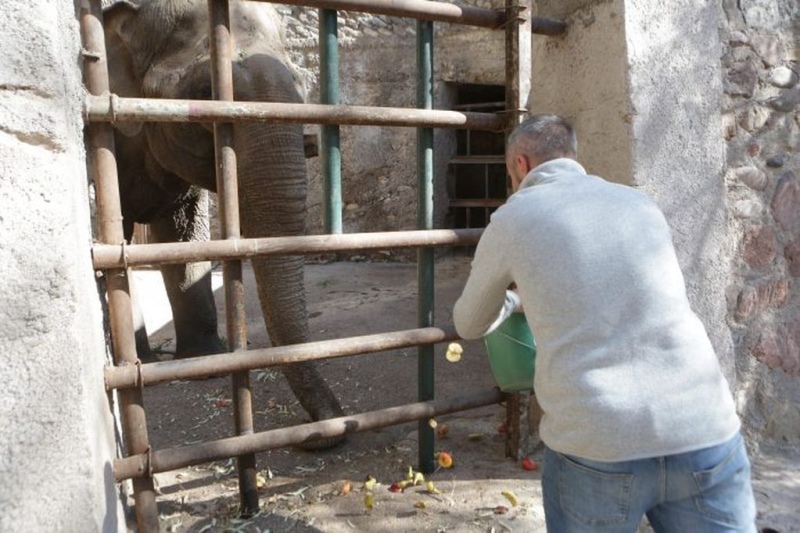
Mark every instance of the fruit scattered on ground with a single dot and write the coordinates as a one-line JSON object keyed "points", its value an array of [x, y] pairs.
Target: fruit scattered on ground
{"points": [[529, 464], [445, 460], [510, 496]]}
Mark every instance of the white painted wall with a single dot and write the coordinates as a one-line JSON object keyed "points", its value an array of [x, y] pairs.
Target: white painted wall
{"points": [[583, 76], [56, 435]]}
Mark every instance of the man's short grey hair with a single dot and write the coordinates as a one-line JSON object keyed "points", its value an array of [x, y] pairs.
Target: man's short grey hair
{"points": [[544, 137]]}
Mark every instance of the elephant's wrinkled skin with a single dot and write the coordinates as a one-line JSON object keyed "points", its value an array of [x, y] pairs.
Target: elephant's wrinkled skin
{"points": [[159, 49]]}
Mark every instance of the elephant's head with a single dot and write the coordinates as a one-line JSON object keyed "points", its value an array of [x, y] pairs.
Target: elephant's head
{"points": [[160, 49]]}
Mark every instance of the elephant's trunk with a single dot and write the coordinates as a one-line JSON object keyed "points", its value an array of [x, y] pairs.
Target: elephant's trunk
{"points": [[272, 185]]}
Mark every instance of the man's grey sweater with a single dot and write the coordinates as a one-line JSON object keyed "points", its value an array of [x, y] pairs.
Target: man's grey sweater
{"points": [[624, 368]]}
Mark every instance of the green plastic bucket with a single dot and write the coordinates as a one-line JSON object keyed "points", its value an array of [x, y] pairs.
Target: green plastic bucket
{"points": [[512, 354]]}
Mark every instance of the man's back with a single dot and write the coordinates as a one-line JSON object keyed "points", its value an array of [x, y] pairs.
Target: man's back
{"points": [[624, 367]]}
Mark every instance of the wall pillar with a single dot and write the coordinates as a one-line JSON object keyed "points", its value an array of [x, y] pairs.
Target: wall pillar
{"points": [[57, 439]]}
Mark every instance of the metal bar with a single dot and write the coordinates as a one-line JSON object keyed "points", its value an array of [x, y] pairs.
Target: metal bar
{"points": [[431, 11], [477, 202], [114, 256], [549, 27], [199, 367], [416, 9], [425, 274], [111, 108], [172, 459], [330, 139], [518, 88], [228, 194], [109, 215]]}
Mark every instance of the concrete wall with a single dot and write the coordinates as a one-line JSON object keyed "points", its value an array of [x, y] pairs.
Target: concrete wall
{"points": [[583, 76], [56, 438], [675, 91]]}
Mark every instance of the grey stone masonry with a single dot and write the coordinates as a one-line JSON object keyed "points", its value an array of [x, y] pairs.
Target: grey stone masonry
{"points": [[762, 101]]}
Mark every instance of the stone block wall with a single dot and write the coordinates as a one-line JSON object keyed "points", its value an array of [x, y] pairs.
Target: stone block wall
{"points": [[761, 112]]}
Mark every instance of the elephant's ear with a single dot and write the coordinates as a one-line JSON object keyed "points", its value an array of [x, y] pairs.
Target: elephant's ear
{"points": [[118, 22]]}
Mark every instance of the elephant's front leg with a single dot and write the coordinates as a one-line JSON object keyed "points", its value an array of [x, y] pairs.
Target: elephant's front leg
{"points": [[189, 285]]}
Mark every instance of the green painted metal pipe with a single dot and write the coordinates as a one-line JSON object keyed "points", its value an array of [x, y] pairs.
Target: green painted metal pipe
{"points": [[425, 221], [329, 134]]}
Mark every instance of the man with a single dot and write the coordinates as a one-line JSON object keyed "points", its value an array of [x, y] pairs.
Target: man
{"points": [[638, 418]]}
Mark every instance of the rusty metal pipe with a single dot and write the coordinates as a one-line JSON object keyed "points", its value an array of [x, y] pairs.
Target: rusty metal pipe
{"points": [[415, 9], [433, 11], [228, 194], [109, 214], [111, 108], [110, 256], [549, 27], [518, 57], [198, 367], [172, 459]]}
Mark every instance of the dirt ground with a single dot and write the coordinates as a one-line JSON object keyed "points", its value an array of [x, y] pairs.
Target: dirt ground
{"points": [[324, 491]]}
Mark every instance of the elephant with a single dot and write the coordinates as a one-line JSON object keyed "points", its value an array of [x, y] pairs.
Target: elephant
{"points": [[160, 49]]}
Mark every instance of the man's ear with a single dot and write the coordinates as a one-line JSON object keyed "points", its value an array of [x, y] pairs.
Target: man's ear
{"points": [[523, 164]]}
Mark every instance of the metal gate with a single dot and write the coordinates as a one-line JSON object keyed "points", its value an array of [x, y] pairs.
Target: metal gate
{"points": [[114, 257]]}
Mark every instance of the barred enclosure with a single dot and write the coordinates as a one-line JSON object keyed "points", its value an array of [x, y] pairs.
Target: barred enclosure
{"points": [[113, 256]]}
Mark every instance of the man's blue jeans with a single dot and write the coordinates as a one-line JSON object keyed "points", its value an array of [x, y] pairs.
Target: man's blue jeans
{"points": [[697, 492]]}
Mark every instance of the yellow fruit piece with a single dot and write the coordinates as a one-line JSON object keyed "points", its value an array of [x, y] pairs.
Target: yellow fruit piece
{"points": [[454, 351], [410, 474], [261, 481], [432, 423], [370, 483], [419, 479], [431, 488], [369, 500], [511, 497]]}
